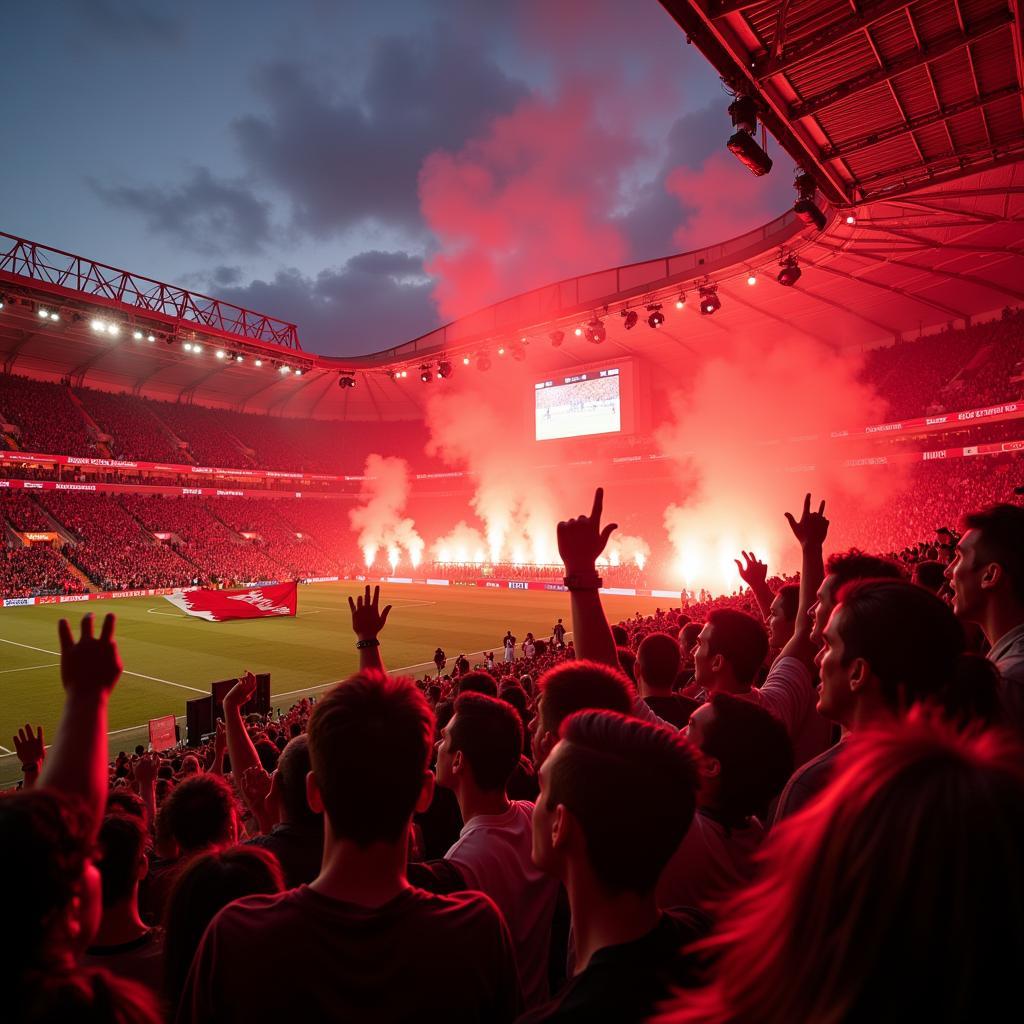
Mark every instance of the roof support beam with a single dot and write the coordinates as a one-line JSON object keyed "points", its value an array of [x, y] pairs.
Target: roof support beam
{"points": [[848, 310], [734, 297], [949, 43], [912, 124], [953, 275], [931, 303], [805, 47], [24, 337], [720, 8]]}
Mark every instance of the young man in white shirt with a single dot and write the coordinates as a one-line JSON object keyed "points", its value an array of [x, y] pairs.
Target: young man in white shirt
{"points": [[478, 751]]}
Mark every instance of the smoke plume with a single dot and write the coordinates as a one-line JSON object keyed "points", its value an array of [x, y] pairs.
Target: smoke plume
{"points": [[382, 527]]}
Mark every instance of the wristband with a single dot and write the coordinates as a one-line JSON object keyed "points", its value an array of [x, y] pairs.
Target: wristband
{"points": [[361, 644], [583, 581]]}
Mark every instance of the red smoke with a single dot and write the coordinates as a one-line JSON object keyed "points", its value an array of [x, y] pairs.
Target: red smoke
{"points": [[528, 203]]}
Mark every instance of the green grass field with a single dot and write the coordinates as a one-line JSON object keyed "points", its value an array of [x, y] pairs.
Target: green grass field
{"points": [[170, 657]]}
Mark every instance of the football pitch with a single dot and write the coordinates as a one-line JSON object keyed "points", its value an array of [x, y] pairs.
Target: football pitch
{"points": [[170, 657]]}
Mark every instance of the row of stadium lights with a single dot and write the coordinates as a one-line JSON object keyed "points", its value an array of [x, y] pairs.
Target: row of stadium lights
{"points": [[595, 331], [113, 329]]}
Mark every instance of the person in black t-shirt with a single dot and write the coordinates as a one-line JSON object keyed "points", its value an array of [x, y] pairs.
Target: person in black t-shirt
{"points": [[657, 665], [360, 943], [617, 796]]}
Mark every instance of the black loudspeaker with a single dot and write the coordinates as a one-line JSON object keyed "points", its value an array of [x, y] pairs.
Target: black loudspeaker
{"points": [[258, 704], [198, 719]]}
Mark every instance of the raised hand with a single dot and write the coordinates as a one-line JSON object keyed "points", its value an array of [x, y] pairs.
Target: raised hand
{"points": [[581, 540], [367, 621], [812, 529], [255, 785], [220, 740], [755, 572], [91, 666], [29, 747], [238, 696]]}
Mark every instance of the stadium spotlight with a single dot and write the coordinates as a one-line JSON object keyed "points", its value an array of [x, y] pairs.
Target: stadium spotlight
{"points": [[709, 301], [425, 374], [789, 272], [681, 301], [596, 332], [98, 325], [239, 358], [557, 337], [851, 219], [284, 369], [196, 347], [137, 335], [657, 318], [518, 352], [48, 314], [221, 354], [578, 332], [629, 318], [743, 113], [751, 279], [404, 374], [345, 381], [501, 350], [259, 362], [465, 360], [187, 346], [298, 373], [483, 361], [444, 369], [113, 330], [150, 337], [805, 207]]}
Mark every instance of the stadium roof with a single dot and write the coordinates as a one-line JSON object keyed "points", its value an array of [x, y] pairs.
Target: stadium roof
{"points": [[908, 115]]}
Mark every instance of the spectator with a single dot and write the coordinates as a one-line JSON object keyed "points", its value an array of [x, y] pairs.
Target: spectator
{"points": [[987, 577], [123, 943], [210, 882], [744, 760], [297, 838], [920, 836], [478, 753], [617, 796], [380, 946], [657, 666], [889, 645]]}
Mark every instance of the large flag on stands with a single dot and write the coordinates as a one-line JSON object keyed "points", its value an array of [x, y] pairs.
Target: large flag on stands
{"points": [[220, 605]]}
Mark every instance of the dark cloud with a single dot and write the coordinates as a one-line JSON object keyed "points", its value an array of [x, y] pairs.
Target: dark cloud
{"points": [[376, 300], [206, 214], [224, 275], [129, 21], [345, 161]]}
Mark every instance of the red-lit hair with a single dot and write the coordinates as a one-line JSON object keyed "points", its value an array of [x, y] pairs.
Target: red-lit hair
{"points": [[896, 895]]}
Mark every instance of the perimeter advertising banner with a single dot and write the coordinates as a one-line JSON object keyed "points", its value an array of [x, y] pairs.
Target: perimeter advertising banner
{"points": [[266, 602]]}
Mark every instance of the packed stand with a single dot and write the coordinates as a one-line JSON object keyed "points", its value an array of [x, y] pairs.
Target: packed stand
{"points": [[112, 548], [135, 432], [209, 443], [48, 421], [203, 539], [22, 513], [35, 572]]}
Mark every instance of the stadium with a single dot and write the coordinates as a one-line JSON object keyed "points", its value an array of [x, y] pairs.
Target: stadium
{"points": [[164, 453]]}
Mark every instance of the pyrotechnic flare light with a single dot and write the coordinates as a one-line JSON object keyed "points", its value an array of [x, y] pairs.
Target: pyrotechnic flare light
{"points": [[369, 554]]}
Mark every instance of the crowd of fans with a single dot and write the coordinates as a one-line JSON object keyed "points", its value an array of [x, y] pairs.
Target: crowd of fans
{"points": [[46, 419], [35, 571], [801, 802], [135, 432]]}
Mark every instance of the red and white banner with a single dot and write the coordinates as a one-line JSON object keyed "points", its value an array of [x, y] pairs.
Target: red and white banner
{"points": [[265, 602]]}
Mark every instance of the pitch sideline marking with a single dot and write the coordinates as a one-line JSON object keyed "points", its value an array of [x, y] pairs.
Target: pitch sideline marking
{"points": [[138, 675], [28, 668]]}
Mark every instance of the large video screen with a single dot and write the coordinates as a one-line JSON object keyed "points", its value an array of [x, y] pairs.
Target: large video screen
{"points": [[578, 405]]}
